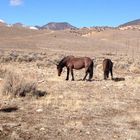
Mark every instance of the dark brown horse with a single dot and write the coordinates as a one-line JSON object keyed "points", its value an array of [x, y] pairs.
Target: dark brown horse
{"points": [[107, 67], [71, 62]]}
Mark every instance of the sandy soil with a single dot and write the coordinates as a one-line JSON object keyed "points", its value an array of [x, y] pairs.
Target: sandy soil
{"points": [[80, 110]]}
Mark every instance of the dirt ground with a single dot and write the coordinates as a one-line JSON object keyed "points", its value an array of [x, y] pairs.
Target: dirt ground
{"points": [[81, 110]]}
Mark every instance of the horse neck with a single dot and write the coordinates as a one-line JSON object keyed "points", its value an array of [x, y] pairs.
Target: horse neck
{"points": [[62, 63]]}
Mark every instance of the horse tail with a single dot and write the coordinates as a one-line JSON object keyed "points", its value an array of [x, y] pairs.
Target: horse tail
{"points": [[91, 70]]}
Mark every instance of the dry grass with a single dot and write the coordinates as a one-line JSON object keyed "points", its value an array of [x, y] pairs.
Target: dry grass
{"points": [[7, 57], [73, 109], [17, 86]]}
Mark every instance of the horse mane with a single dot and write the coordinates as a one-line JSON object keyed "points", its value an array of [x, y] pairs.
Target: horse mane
{"points": [[61, 63], [64, 60]]}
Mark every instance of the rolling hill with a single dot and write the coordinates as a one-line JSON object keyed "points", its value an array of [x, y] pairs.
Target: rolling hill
{"points": [[131, 23]]}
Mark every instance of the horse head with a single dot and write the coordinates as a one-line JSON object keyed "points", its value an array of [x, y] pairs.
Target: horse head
{"points": [[59, 69]]}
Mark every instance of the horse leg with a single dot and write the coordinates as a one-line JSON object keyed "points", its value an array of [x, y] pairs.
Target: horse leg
{"points": [[72, 75], [90, 76], [85, 75], [90, 71], [67, 78], [87, 70], [111, 74], [105, 75]]}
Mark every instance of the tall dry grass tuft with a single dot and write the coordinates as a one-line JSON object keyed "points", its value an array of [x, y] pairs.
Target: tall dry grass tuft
{"points": [[15, 85]]}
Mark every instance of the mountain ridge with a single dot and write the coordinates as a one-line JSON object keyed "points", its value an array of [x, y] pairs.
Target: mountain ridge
{"points": [[65, 25], [58, 26], [131, 23]]}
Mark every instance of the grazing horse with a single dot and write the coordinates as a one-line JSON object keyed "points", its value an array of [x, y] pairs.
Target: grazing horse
{"points": [[107, 67], [71, 62]]}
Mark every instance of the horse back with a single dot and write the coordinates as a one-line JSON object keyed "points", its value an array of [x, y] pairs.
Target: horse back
{"points": [[80, 62], [107, 64]]}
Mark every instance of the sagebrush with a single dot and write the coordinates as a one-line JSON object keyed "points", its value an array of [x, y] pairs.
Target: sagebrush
{"points": [[15, 85]]}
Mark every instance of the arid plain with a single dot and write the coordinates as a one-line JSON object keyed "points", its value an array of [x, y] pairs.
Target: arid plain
{"points": [[81, 110]]}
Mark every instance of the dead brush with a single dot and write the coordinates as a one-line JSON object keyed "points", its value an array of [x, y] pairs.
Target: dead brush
{"points": [[16, 86], [2, 72]]}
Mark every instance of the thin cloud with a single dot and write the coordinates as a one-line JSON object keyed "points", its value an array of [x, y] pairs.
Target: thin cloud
{"points": [[16, 2]]}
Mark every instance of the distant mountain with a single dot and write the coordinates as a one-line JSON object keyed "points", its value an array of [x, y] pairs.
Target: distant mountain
{"points": [[2, 23], [131, 23], [50, 26], [38, 27], [57, 26], [18, 24]]}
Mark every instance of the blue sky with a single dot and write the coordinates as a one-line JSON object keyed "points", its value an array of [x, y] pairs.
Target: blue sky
{"points": [[79, 13]]}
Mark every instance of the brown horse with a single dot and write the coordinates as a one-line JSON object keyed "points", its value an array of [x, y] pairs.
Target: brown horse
{"points": [[71, 62], [107, 67]]}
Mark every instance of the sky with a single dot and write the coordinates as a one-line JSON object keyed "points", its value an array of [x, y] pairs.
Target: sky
{"points": [[80, 13]]}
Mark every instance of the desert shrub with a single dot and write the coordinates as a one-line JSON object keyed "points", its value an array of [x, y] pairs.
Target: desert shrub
{"points": [[5, 58], [45, 63], [135, 68], [121, 66], [109, 53], [40, 64], [13, 55], [8, 57], [22, 57], [32, 57], [2, 72], [14, 86]]}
